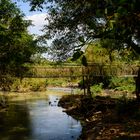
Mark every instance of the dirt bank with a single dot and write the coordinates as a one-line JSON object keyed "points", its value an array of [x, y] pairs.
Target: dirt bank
{"points": [[104, 117]]}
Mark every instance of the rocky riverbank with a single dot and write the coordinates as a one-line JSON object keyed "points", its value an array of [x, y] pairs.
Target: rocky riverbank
{"points": [[104, 117]]}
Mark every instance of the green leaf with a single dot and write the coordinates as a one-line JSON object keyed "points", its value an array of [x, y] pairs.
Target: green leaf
{"points": [[77, 55], [81, 39], [84, 61]]}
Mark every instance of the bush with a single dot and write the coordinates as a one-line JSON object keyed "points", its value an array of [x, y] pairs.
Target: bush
{"points": [[6, 82], [123, 83], [28, 84], [16, 85], [96, 88]]}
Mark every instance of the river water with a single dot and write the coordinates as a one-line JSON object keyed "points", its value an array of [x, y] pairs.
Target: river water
{"points": [[38, 120]]}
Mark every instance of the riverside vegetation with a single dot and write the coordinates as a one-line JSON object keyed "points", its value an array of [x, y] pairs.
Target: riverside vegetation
{"points": [[104, 117], [37, 84]]}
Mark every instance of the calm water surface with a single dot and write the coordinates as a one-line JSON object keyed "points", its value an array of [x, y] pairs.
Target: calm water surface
{"points": [[38, 120]]}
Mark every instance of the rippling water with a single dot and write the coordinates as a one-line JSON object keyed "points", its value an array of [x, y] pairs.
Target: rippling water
{"points": [[38, 120]]}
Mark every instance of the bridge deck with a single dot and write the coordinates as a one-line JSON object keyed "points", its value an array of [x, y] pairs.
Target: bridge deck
{"points": [[80, 71]]}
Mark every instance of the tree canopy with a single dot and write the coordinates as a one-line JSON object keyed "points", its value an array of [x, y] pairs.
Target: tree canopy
{"points": [[75, 23], [17, 46]]}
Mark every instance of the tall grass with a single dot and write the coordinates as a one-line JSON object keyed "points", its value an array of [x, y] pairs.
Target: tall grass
{"points": [[40, 84], [29, 84]]}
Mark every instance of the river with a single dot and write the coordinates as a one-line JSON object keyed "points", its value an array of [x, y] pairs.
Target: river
{"points": [[38, 120]]}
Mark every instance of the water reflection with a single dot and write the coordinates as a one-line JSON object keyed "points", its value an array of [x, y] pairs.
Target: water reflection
{"points": [[38, 120], [15, 123]]}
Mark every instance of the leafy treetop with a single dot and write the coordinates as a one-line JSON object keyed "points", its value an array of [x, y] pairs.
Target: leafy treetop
{"points": [[17, 46], [74, 23]]}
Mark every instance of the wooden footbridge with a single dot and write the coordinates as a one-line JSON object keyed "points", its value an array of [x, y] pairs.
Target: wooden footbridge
{"points": [[94, 70]]}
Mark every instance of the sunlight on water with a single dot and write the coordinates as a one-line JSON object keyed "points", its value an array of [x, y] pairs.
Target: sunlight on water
{"points": [[38, 120]]}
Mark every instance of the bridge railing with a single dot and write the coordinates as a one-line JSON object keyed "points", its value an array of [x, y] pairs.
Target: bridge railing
{"points": [[78, 71]]}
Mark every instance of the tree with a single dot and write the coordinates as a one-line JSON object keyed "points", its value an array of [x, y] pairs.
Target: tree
{"points": [[17, 46], [80, 22]]}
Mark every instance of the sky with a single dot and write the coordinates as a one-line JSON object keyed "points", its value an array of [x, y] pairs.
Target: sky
{"points": [[37, 17], [38, 20]]}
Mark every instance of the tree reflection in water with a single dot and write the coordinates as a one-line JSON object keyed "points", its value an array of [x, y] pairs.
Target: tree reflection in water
{"points": [[15, 123], [37, 120]]}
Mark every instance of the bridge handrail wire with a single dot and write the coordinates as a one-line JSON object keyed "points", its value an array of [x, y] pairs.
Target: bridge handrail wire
{"points": [[79, 71]]}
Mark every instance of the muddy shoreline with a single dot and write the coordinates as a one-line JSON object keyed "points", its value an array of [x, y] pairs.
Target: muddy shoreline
{"points": [[104, 117]]}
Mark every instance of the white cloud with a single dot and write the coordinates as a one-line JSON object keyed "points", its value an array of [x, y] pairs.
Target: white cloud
{"points": [[38, 20]]}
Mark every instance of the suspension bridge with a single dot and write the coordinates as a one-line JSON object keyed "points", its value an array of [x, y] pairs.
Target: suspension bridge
{"points": [[94, 70]]}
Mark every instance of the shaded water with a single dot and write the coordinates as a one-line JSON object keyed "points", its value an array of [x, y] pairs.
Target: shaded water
{"points": [[38, 120]]}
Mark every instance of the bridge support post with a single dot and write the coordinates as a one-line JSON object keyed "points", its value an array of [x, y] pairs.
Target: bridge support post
{"points": [[84, 85], [88, 86]]}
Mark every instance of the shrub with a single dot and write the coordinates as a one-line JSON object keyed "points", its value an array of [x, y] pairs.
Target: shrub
{"points": [[29, 84], [96, 88], [16, 85], [123, 83]]}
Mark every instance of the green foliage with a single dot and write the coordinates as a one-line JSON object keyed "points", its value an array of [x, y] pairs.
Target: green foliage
{"points": [[96, 88], [96, 54], [15, 86], [128, 87], [38, 86], [84, 61], [81, 39], [78, 22], [6, 81], [57, 82], [28, 85], [77, 55], [122, 84], [17, 46], [24, 85]]}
